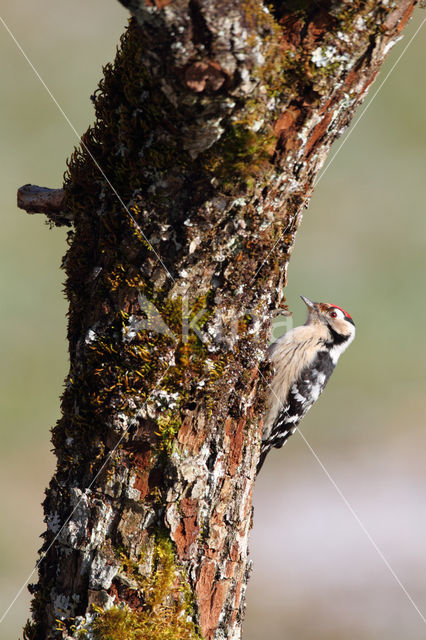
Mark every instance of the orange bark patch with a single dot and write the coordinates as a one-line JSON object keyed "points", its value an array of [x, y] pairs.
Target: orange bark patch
{"points": [[370, 81], [217, 531], [316, 28], [140, 483], [236, 437], [230, 569], [235, 552], [204, 593], [219, 596], [286, 120], [291, 31], [188, 529], [400, 16], [157, 3], [318, 132], [204, 75], [211, 597], [192, 433]]}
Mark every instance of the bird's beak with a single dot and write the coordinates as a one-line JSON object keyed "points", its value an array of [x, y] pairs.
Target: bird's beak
{"points": [[309, 303]]}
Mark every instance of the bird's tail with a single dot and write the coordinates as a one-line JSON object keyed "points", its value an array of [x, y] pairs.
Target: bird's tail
{"points": [[263, 453], [275, 440]]}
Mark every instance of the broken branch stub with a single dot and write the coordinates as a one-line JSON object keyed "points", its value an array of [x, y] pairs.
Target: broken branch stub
{"points": [[51, 202]]}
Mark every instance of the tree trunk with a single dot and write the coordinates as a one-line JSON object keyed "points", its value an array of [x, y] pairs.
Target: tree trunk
{"points": [[185, 197]]}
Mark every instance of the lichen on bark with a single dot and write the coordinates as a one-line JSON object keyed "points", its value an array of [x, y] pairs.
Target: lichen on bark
{"points": [[152, 614], [211, 126]]}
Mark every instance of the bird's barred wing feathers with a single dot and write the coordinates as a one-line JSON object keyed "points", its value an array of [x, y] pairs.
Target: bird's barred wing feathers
{"points": [[301, 396]]}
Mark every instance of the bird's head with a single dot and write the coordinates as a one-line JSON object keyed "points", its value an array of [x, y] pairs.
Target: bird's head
{"points": [[337, 320]]}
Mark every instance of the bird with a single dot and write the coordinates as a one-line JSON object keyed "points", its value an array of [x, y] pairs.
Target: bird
{"points": [[303, 360]]}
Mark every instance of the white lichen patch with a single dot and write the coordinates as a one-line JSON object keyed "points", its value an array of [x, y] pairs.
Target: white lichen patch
{"points": [[360, 23], [104, 515], [343, 37], [53, 522], [323, 57], [131, 493], [83, 626], [91, 336], [63, 606], [173, 517], [164, 399], [218, 469], [102, 572], [194, 244], [391, 44], [193, 469], [74, 532], [264, 225], [257, 125], [153, 322], [239, 202]]}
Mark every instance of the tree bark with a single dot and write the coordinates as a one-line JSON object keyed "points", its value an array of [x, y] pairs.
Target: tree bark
{"points": [[51, 202], [185, 197]]}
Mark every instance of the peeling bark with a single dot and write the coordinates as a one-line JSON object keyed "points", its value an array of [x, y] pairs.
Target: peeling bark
{"points": [[211, 125]]}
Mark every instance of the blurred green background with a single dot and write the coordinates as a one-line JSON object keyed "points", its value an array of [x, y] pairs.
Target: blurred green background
{"points": [[361, 245]]}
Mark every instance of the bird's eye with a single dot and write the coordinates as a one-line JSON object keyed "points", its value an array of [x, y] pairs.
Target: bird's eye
{"points": [[336, 313]]}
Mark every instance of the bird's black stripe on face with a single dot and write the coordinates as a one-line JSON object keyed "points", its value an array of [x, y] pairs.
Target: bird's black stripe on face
{"points": [[338, 338]]}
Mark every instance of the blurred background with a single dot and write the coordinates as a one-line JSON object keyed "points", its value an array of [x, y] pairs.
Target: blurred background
{"points": [[317, 573]]}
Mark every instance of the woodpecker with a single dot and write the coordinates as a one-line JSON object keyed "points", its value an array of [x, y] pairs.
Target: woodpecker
{"points": [[304, 359]]}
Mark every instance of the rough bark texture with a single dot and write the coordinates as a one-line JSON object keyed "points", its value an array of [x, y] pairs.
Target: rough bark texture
{"points": [[51, 202], [212, 124]]}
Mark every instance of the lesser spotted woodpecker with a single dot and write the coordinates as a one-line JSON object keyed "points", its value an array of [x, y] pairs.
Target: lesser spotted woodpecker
{"points": [[303, 359]]}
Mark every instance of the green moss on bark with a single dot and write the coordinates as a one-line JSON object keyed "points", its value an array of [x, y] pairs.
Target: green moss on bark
{"points": [[167, 609]]}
